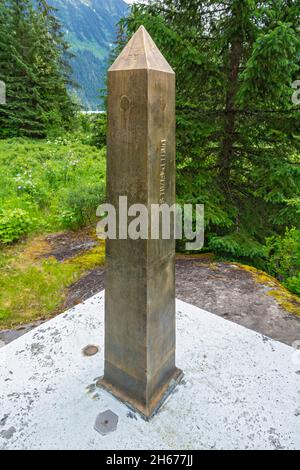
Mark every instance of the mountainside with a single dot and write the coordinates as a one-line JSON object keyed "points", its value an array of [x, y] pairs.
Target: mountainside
{"points": [[90, 27]]}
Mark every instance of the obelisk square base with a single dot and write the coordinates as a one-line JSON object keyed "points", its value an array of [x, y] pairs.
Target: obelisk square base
{"points": [[147, 412]]}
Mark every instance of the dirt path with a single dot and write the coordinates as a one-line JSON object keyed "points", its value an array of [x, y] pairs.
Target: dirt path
{"points": [[228, 290]]}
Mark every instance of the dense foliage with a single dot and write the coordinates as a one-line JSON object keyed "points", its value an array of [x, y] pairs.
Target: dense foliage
{"points": [[48, 185], [34, 66], [238, 132], [283, 255], [13, 224]]}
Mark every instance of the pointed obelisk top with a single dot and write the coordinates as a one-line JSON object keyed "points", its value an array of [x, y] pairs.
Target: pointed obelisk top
{"points": [[141, 52]]}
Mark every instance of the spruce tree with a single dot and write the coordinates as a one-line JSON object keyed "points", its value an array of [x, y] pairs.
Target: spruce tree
{"points": [[33, 66], [238, 132], [22, 114], [55, 73]]}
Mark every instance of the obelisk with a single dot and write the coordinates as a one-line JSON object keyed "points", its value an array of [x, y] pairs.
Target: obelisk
{"points": [[140, 274]]}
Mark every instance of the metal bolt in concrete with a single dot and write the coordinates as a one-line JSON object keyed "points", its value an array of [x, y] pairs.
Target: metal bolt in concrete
{"points": [[106, 422]]}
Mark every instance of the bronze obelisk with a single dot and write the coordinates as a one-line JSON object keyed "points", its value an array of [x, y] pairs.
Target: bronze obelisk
{"points": [[140, 274]]}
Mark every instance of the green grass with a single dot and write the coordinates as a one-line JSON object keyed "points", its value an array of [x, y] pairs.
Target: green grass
{"points": [[33, 288], [57, 183], [46, 186], [53, 185], [26, 295]]}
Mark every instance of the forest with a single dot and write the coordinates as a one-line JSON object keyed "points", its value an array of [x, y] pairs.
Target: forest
{"points": [[237, 64]]}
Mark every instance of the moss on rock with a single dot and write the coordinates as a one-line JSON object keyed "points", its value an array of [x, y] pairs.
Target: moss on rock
{"points": [[288, 301]]}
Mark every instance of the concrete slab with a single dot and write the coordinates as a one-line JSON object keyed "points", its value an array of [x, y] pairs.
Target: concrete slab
{"points": [[7, 336], [241, 390]]}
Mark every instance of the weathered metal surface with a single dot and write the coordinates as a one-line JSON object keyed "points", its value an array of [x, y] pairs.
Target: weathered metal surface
{"points": [[106, 422], [140, 277], [90, 350]]}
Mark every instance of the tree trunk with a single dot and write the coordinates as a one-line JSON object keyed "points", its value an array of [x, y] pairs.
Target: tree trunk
{"points": [[227, 148]]}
